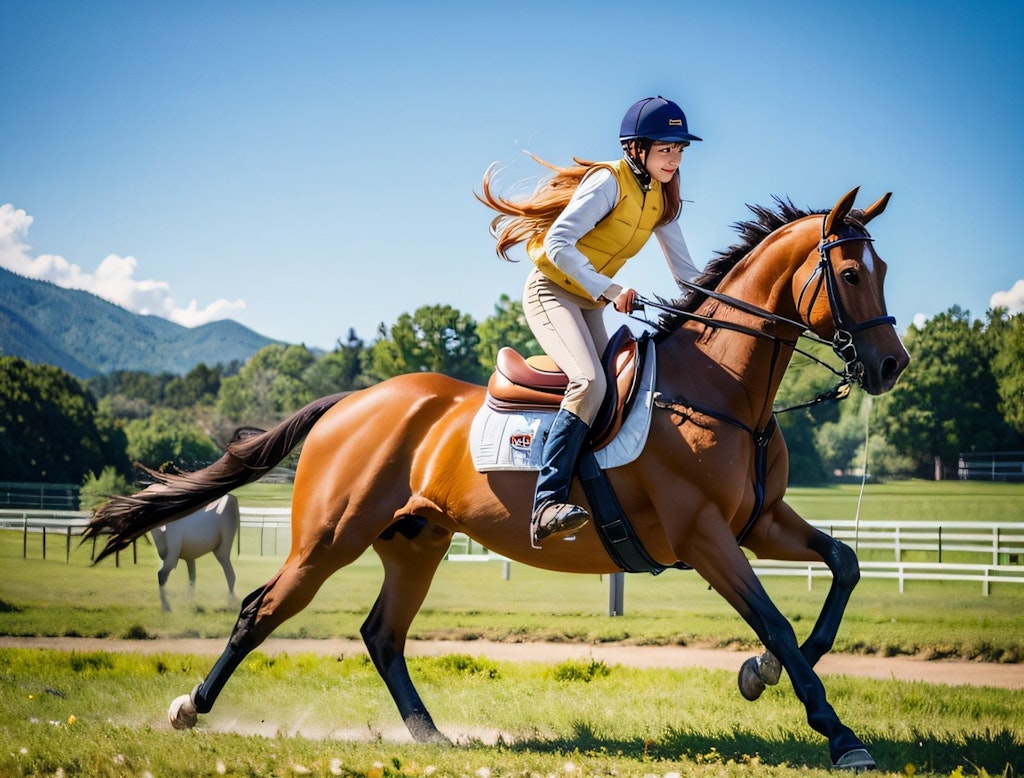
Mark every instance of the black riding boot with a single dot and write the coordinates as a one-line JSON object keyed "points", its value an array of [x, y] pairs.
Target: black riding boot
{"points": [[552, 514]]}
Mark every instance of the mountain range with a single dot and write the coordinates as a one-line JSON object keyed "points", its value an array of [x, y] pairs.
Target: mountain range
{"points": [[86, 335]]}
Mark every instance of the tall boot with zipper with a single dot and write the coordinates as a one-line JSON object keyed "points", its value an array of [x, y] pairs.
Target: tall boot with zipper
{"points": [[552, 514]]}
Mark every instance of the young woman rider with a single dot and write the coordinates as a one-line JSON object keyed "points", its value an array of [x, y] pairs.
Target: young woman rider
{"points": [[580, 226]]}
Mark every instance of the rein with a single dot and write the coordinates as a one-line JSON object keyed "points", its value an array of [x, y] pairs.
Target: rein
{"points": [[842, 341]]}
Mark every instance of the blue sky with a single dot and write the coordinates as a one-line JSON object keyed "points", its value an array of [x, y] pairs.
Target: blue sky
{"points": [[307, 167]]}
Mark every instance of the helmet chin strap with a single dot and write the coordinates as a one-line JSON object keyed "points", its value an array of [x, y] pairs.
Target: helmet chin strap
{"points": [[639, 170]]}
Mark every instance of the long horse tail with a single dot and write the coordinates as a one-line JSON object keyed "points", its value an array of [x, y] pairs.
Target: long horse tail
{"points": [[174, 495]]}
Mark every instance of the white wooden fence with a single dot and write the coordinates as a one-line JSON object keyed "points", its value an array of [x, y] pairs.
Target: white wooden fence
{"points": [[986, 552]]}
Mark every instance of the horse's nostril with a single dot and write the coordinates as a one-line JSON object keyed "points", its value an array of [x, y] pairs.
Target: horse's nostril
{"points": [[890, 367]]}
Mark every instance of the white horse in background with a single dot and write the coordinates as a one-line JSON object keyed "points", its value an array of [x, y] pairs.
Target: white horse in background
{"points": [[209, 529]]}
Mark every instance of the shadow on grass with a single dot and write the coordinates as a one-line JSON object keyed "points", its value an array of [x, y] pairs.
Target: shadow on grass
{"points": [[999, 752]]}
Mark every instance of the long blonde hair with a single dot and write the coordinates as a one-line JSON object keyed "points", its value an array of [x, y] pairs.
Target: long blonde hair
{"points": [[521, 220]]}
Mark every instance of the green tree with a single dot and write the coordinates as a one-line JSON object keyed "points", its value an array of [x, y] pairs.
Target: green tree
{"points": [[436, 339], [169, 439], [270, 385], [198, 387], [806, 380], [341, 370], [113, 441], [507, 327], [47, 425], [946, 401], [1008, 365], [139, 386], [97, 490]]}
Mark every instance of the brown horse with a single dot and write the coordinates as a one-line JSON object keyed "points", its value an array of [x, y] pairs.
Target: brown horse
{"points": [[390, 467]]}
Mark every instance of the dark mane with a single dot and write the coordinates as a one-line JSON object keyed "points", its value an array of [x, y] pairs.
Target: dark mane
{"points": [[751, 232]]}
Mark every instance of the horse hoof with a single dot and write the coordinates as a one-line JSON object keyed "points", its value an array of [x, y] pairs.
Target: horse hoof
{"points": [[769, 668], [858, 761], [183, 714], [750, 681]]}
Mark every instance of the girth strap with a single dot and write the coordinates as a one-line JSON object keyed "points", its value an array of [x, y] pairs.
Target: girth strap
{"points": [[614, 528], [612, 525]]}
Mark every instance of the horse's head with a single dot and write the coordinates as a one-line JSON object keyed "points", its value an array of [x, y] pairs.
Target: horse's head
{"points": [[842, 297]]}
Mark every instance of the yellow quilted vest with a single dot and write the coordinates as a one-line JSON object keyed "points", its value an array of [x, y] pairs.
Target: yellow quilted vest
{"points": [[616, 238]]}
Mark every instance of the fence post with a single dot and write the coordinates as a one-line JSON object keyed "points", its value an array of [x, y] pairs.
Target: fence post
{"points": [[616, 584]]}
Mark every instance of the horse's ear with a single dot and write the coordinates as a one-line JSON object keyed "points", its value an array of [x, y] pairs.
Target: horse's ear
{"points": [[840, 211], [875, 208]]}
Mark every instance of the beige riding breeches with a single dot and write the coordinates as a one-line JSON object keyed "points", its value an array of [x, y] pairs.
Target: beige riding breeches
{"points": [[571, 330]]}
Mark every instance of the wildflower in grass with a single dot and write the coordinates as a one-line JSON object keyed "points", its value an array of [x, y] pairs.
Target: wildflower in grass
{"points": [[72, 719], [909, 770]]}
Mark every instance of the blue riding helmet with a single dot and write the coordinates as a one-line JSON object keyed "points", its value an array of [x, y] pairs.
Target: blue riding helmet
{"points": [[657, 119]]}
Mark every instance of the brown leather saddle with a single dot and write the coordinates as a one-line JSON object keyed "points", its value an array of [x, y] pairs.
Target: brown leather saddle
{"points": [[536, 384]]}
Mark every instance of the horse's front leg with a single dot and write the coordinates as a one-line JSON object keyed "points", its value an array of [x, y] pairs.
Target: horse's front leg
{"points": [[784, 534], [713, 553]]}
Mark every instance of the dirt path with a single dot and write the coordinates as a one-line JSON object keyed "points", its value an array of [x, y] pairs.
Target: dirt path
{"points": [[953, 673]]}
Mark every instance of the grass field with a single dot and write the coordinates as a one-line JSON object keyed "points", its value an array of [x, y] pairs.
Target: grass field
{"points": [[102, 714], [69, 713]]}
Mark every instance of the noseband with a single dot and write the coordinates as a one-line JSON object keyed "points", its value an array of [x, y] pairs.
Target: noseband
{"points": [[842, 340]]}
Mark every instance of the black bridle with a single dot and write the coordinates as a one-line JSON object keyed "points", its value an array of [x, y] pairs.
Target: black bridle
{"points": [[842, 344], [824, 275], [842, 340]]}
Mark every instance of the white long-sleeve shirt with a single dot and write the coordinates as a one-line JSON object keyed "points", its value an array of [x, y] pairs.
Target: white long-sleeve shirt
{"points": [[594, 199]]}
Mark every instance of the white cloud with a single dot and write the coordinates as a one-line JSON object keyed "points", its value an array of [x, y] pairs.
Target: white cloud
{"points": [[1012, 300], [113, 280]]}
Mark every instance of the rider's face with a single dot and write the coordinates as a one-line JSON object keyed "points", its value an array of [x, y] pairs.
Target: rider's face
{"points": [[663, 160]]}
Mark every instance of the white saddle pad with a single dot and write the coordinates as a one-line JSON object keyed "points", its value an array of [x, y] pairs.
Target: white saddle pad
{"points": [[502, 440]]}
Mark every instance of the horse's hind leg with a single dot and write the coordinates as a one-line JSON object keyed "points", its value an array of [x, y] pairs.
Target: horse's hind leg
{"points": [[287, 593], [191, 565], [161, 579], [411, 550], [223, 555]]}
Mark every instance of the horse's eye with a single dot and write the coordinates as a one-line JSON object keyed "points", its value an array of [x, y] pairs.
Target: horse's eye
{"points": [[851, 277]]}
